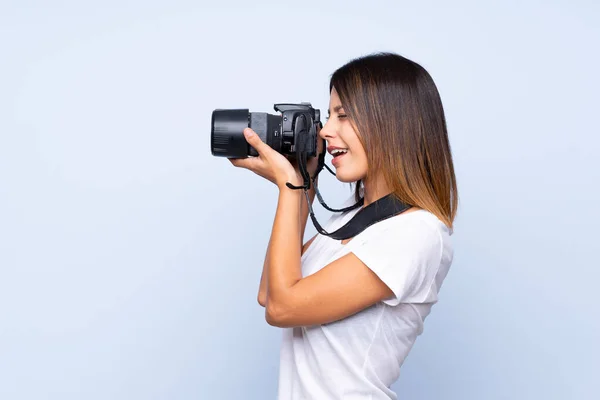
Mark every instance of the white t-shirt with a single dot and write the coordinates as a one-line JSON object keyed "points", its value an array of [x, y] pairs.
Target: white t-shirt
{"points": [[359, 357]]}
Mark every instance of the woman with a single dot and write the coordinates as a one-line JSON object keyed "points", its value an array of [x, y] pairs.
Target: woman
{"points": [[352, 309]]}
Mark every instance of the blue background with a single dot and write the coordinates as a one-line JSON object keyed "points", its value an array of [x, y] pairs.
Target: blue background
{"points": [[130, 257]]}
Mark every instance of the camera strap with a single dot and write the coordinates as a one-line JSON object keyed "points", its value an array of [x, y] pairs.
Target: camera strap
{"points": [[381, 209], [302, 160]]}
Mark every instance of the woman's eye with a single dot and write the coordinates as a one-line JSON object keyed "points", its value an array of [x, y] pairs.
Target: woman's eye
{"points": [[339, 116]]}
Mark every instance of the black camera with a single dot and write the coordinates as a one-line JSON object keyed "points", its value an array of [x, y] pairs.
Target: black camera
{"points": [[293, 133]]}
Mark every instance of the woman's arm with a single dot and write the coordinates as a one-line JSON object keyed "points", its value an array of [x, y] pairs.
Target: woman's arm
{"points": [[283, 255], [262, 290], [341, 288]]}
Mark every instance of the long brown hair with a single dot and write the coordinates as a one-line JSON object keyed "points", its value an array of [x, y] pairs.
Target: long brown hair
{"points": [[397, 112]]}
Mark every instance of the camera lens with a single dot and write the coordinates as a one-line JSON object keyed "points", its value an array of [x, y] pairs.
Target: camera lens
{"points": [[227, 133]]}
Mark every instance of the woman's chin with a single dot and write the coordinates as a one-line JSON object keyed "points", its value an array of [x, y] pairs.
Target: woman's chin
{"points": [[345, 180], [346, 176]]}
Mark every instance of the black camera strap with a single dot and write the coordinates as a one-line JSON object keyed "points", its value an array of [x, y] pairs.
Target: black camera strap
{"points": [[302, 160], [381, 209]]}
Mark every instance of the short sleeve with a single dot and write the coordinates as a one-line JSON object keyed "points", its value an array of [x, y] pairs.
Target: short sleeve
{"points": [[405, 253]]}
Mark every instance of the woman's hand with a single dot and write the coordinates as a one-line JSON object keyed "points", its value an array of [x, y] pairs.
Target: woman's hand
{"points": [[269, 164]]}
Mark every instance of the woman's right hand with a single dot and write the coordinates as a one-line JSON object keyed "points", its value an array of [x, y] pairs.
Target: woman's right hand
{"points": [[311, 164]]}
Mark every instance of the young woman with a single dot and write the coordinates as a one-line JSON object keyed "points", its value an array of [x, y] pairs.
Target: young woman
{"points": [[352, 309]]}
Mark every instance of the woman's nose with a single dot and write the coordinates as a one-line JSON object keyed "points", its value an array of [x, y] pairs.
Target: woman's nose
{"points": [[326, 131]]}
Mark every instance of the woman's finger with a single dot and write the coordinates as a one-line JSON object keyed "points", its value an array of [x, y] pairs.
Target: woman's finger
{"points": [[248, 163], [254, 140]]}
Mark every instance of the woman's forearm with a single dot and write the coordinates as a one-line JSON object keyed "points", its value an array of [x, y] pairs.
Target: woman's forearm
{"points": [[303, 214], [283, 256], [262, 287]]}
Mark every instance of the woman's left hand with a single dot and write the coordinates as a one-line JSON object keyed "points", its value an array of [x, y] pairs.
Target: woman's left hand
{"points": [[269, 164]]}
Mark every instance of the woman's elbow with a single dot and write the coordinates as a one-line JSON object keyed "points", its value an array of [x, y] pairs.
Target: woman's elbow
{"points": [[275, 315], [262, 299]]}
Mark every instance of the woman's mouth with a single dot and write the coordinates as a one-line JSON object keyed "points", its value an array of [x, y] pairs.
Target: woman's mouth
{"points": [[337, 154]]}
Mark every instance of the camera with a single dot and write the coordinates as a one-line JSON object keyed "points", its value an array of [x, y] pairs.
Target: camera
{"points": [[292, 133]]}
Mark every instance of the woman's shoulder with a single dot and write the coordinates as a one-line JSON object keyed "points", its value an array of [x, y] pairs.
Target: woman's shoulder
{"points": [[416, 227], [417, 219], [417, 239], [419, 224]]}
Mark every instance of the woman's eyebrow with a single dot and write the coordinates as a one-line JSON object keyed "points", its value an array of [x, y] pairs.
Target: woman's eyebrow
{"points": [[335, 109]]}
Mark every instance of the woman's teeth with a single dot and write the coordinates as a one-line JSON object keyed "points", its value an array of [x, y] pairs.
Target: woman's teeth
{"points": [[337, 152]]}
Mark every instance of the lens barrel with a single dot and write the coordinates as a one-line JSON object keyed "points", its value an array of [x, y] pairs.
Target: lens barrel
{"points": [[227, 132]]}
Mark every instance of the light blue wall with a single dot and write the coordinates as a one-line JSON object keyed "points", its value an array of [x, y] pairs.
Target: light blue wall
{"points": [[130, 257]]}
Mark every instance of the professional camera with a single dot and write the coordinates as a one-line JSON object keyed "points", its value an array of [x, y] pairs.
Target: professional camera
{"points": [[293, 133]]}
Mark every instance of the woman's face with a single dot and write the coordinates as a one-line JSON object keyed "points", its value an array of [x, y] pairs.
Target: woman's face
{"points": [[349, 157]]}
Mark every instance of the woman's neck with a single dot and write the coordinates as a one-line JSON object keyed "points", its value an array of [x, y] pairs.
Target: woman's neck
{"points": [[374, 190]]}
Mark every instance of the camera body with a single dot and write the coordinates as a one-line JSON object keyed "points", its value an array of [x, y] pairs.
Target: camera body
{"points": [[292, 133]]}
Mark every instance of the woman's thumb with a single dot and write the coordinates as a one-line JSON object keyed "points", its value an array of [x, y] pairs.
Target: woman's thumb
{"points": [[254, 140]]}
